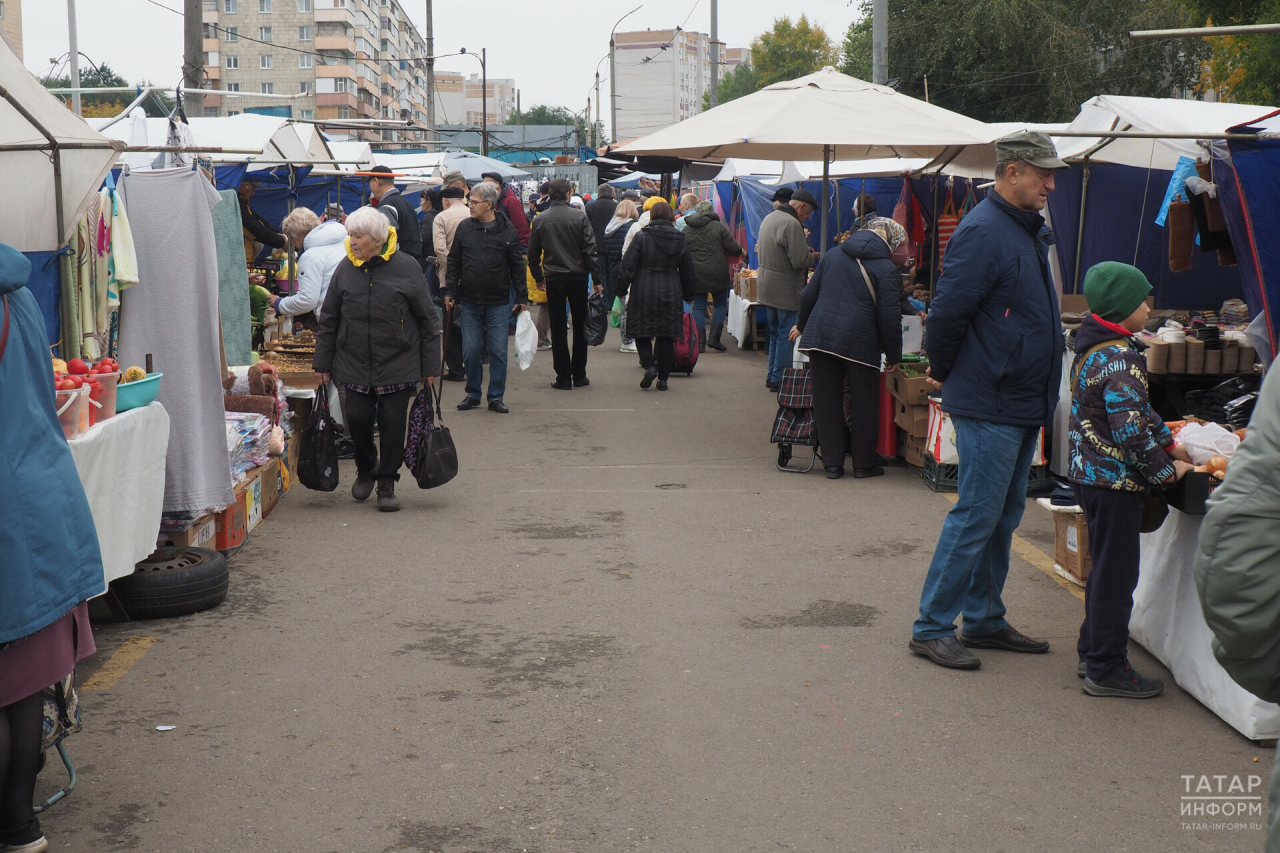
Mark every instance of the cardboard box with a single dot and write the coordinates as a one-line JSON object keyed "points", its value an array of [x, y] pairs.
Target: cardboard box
{"points": [[751, 294], [272, 488], [229, 526], [198, 535], [253, 499], [913, 419], [289, 462], [912, 390], [913, 451], [1071, 544]]}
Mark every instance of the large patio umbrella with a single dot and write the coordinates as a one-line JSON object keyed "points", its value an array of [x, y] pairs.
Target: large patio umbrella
{"points": [[825, 116], [473, 166]]}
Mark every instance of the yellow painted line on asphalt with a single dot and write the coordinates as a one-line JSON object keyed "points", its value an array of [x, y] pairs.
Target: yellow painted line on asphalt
{"points": [[119, 664], [1037, 558]]}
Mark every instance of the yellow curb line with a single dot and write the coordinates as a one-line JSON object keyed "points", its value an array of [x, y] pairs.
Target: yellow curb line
{"points": [[119, 664], [1037, 558]]}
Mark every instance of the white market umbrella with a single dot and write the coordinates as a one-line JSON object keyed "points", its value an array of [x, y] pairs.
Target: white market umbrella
{"points": [[472, 166], [824, 116]]}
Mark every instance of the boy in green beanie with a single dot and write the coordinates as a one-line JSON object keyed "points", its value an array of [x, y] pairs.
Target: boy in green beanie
{"points": [[1119, 449]]}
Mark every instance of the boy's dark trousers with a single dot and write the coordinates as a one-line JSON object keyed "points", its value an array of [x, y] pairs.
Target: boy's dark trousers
{"points": [[1114, 519]]}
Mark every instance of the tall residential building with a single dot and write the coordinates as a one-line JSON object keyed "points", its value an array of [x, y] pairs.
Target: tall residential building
{"points": [[11, 24], [459, 99], [661, 77], [344, 59]]}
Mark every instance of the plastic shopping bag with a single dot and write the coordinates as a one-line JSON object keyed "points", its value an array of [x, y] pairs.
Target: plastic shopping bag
{"points": [[1207, 440], [318, 455], [526, 340], [615, 315], [597, 325]]}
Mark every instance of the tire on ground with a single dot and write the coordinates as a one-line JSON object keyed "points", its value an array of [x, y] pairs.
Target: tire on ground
{"points": [[174, 582]]}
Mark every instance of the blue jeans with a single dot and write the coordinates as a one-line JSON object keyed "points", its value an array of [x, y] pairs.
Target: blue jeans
{"points": [[721, 302], [780, 345], [485, 327], [971, 560]]}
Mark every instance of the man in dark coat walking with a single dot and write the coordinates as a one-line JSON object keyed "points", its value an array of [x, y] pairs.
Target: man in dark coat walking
{"points": [[398, 212], [599, 211], [994, 340], [511, 206]]}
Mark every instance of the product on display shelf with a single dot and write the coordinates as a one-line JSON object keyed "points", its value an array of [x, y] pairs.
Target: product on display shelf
{"points": [[248, 443]]}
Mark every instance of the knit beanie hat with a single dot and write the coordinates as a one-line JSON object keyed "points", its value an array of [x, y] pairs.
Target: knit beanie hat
{"points": [[652, 200], [1115, 290]]}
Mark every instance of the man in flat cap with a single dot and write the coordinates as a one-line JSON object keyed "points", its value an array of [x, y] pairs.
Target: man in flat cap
{"points": [[785, 258], [443, 229], [994, 339], [398, 211]]}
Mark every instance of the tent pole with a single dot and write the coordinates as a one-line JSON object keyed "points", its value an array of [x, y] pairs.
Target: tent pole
{"points": [[1084, 197], [826, 194]]}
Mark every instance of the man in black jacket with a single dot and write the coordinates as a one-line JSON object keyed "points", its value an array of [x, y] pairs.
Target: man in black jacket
{"points": [[484, 275], [599, 211], [562, 253], [256, 229], [398, 212]]}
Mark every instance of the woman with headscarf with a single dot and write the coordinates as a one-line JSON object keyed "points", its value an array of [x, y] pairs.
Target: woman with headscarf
{"points": [[849, 316], [657, 272], [615, 237], [710, 244], [379, 336], [49, 560]]}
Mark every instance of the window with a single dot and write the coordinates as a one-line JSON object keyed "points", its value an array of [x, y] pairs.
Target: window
{"points": [[233, 62], [210, 31], [305, 87], [268, 88], [233, 87], [229, 6], [264, 6], [344, 112], [231, 34], [307, 114], [233, 112], [304, 33], [304, 5], [264, 61], [340, 84], [264, 33], [1, 11], [304, 60], [210, 112]]}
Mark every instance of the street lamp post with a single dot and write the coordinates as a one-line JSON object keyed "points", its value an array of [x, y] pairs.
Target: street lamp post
{"points": [[613, 76], [595, 131], [484, 100]]}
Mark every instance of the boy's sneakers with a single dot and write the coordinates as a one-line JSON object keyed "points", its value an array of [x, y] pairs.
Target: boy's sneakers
{"points": [[1126, 682]]}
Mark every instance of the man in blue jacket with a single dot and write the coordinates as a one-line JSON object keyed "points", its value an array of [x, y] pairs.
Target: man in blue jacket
{"points": [[994, 339]]}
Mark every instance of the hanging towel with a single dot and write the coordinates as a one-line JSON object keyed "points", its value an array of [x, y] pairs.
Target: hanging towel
{"points": [[172, 313], [947, 224], [233, 279], [124, 258]]}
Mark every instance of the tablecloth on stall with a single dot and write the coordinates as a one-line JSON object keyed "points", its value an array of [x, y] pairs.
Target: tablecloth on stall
{"points": [[1168, 622], [121, 464]]}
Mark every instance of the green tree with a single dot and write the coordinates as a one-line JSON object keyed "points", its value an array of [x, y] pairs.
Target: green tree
{"points": [[109, 105], [788, 51], [855, 50], [740, 80], [548, 115], [1242, 69], [1032, 60]]}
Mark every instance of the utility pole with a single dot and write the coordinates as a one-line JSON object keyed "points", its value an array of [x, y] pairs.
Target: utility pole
{"points": [[484, 104], [193, 55], [595, 131], [613, 76], [715, 53], [880, 42], [431, 81], [75, 55]]}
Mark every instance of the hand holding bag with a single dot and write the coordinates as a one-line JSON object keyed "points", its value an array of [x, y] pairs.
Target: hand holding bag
{"points": [[318, 454]]}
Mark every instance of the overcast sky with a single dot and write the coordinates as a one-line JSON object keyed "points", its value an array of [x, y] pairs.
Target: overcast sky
{"points": [[550, 49]]}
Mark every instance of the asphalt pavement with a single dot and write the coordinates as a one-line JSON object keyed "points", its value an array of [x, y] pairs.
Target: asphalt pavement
{"points": [[620, 628]]}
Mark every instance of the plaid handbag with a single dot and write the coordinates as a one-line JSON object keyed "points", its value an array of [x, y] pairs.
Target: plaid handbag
{"points": [[794, 422]]}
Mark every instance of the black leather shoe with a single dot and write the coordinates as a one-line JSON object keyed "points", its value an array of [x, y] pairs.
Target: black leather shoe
{"points": [[945, 651], [468, 404], [835, 472], [1008, 639], [562, 386], [455, 377], [499, 407], [649, 375], [773, 386], [662, 384], [362, 487], [1125, 682], [581, 382], [864, 473]]}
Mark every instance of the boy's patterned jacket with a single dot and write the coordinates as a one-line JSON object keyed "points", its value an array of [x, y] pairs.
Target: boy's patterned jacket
{"points": [[1117, 440]]}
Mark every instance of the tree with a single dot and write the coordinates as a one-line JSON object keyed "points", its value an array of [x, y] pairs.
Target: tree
{"points": [[1242, 69], [855, 50], [741, 80], [109, 105], [1032, 60], [543, 114], [791, 50]]}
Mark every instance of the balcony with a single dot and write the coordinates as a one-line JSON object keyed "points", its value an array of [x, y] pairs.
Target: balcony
{"points": [[334, 71], [343, 43], [213, 72], [210, 45], [336, 99], [345, 16], [213, 100]]}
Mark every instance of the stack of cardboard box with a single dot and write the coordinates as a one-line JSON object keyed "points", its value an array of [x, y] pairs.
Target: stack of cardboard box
{"points": [[911, 408]]}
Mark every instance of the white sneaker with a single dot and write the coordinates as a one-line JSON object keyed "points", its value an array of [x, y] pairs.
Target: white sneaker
{"points": [[628, 348]]}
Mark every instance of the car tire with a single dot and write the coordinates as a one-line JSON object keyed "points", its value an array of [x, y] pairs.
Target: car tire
{"points": [[174, 582]]}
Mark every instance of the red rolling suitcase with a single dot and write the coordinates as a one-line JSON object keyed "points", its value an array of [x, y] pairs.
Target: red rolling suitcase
{"points": [[687, 345]]}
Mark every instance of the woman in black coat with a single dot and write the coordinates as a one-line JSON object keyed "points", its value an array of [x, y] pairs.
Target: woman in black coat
{"points": [[847, 320], [615, 236], [658, 273]]}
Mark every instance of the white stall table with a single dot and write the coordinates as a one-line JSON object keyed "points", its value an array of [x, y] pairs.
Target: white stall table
{"points": [[121, 464], [1168, 622]]}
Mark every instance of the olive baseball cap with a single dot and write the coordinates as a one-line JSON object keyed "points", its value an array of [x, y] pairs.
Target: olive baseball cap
{"points": [[1030, 146]]}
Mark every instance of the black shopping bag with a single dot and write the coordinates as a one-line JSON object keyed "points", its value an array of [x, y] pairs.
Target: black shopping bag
{"points": [[318, 453], [597, 319], [429, 448]]}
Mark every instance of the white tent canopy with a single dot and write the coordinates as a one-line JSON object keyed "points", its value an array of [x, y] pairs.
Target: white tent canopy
{"points": [[359, 152], [273, 139], [824, 114], [43, 209], [418, 165], [979, 161]]}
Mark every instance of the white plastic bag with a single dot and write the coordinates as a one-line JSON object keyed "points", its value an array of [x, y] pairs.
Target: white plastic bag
{"points": [[1205, 440], [526, 340]]}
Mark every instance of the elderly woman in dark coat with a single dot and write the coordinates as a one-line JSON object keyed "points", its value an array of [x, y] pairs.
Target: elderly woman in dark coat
{"points": [[849, 316], [379, 336], [657, 271], [711, 246]]}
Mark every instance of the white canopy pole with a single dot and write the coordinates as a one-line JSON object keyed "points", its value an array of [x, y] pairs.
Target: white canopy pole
{"points": [[826, 193]]}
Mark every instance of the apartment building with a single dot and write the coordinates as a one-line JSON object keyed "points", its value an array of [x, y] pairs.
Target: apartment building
{"points": [[460, 99], [11, 24], [661, 76], [339, 59]]}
